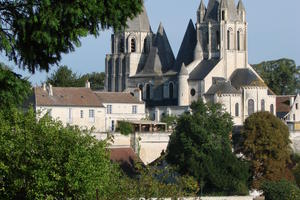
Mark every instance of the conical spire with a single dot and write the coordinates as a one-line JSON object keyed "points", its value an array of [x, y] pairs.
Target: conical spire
{"points": [[241, 6], [202, 6], [140, 23], [223, 4]]}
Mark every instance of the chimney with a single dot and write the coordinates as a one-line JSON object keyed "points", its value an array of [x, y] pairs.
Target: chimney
{"points": [[87, 84], [50, 90], [44, 87], [138, 94]]}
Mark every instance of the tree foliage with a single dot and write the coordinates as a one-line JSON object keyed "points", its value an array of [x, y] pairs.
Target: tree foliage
{"points": [[14, 90], [266, 145], [65, 77], [43, 160], [125, 128], [282, 76], [281, 190], [200, 147], [35, 33]]}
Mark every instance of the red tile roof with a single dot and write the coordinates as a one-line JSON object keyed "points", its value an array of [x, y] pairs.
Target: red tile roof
{"points": [[283, 104]]}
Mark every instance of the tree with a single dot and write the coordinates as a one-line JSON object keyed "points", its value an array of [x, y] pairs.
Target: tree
{"points": [[266, 145], [44, 160], [65, 77], [282, 76], [35, 33], [14, 90], [282, 190], [125, 128], [200, 147]]}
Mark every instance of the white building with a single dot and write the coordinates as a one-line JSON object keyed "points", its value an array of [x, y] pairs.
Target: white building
{"points": [[87, 109], [212, 63]]}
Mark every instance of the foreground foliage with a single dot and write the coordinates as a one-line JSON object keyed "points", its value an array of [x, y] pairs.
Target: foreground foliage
{"points": [[281, 190], [200, 147], [43, 160], [282, 76], [14, 90], [266, 145], [35, 33], [125, 128]]}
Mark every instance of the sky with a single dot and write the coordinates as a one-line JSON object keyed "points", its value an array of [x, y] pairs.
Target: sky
{"points": [[273, 33]]}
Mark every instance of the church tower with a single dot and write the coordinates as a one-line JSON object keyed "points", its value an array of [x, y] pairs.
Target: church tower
{"points": [[222, 34], [129, 49]]}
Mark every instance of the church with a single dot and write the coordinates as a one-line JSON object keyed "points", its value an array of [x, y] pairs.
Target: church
{"points": [[212, 63]]}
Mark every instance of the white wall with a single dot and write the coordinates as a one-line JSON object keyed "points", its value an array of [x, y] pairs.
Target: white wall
{"points": [[63, 113]]}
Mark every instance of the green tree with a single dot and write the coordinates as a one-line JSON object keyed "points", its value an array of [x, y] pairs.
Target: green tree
{"points": [[201, 147], [35, 33], [43, 160], [282, 76], [282, 190], [14, 90], [266, 145], [125, 128], [64, 77]]}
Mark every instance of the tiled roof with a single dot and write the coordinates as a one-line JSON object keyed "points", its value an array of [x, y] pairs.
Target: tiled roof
{"points": [[222, 88], [245, 77], [117, 97], [283, 103], [139, 23], [203, 69], [67, 96]]}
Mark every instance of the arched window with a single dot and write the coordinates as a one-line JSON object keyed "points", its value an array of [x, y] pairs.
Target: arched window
{"points": [[237, 110], [117, 75], [148, 91], [218, 39], [272, 109], [171, 90], [146, 45], [142, 91], [263, 105], [133, 45], [250, 107], [223, 15], [228, 39], [121, 45], [239, 40]]}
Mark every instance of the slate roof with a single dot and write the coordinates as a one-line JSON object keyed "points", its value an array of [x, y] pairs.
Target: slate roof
{"points": [[214, 6], [140, 23], [83, 97], [222, 88], [186, 52], [161, 57], [203, 69], [116, 97], [245, 77]]}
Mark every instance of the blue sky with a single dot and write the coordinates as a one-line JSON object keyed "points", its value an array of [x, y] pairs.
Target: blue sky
{"points": [[273, 27]]}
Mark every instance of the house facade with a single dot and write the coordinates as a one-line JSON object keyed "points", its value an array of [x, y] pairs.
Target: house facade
{"points": [[212, 63]]}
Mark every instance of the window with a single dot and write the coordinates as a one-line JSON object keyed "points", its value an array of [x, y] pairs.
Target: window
{"points": [[218, 39], [250, 107], [70, 115], [239, 40], [223, 15], [272, 109], [112, 125], [171, 90], [148, 91], [193, 92], [109, 109], [134, 109], [142, 92], [146, 46], [228, 39], [91, 114], [133, 45], [263, 105], [296, 106], [81, 114], [121, 45], [237, 110]]}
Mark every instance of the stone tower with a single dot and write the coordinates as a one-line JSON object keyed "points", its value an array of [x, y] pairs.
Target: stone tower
{"points": [[222, 34], [128, 52]]}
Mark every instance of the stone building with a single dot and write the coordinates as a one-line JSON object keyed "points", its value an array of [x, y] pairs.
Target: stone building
{"points": [[212, 63]]}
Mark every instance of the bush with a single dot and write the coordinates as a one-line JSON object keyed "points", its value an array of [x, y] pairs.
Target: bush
{"points": [[282, 190], [125, 128]]}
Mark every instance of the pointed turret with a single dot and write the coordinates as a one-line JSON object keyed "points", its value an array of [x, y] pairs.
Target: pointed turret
{"points": [[201, 12], [186, 51], [183, 70], [241, 6], [140, 23], [241, 10], [223, 4], [227, 10]]}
